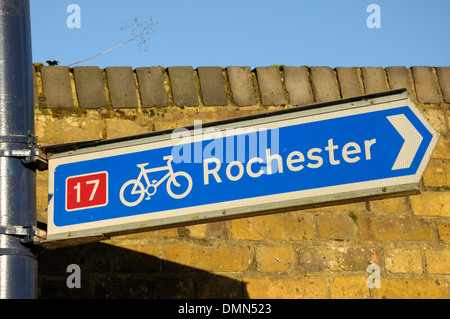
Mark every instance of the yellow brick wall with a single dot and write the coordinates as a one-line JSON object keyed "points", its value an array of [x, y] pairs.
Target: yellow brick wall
{"points": [[314, 253]]}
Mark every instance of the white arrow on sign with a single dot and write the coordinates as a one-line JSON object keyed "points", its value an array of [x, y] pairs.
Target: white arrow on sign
{"points": [[412, 138]]}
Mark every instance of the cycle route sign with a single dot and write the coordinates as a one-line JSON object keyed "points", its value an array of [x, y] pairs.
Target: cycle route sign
{"points": [[347, 150]]}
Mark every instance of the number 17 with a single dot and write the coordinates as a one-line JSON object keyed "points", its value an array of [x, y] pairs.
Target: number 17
{"points": [[87, 191], [94, 190]]}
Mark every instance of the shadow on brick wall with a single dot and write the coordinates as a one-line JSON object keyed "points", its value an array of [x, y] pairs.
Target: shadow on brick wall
{"points": [[109, 272]]}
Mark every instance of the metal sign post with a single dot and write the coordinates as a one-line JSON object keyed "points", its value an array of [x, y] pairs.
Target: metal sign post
{"points": [[348, 150], [18, 266]]}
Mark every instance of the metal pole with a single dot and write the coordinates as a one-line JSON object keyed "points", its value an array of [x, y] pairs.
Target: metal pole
{"points": [[18, 266]]}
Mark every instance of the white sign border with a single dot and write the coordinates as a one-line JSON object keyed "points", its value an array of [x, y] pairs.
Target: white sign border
{"points": [[241, 206]]}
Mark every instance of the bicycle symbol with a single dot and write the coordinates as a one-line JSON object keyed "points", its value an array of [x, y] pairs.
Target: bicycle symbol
{"points": [[173, 186]]}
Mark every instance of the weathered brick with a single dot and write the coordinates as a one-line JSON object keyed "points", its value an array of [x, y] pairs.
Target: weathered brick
{"points": [[426, 86], [378, 228], [398, 77], [212, 86], [209, 230], [241, 85], [278, 226], [173, 114], [270, 86], [40, 123], [410, 288], [143, 288], [335, 226], [197, 231], [444, 82], [437, 261], [56, 86], [431, 203], [90, 88], [437, 174], [298, 86], [348, 258], [349, 287], [374, 79], [182, 82], [436, 118], [68, 129], [218, 287], [286, 288], [216, 230], [324, 84], [403, 260], [396, 204], [228, 114], [201, 115], [162, 125], [209, 258], [57, 289], [120, 128], [349, 82], [136, 259], [92, 258], [443, 228], [151, 86], [442, 149], [313, 259], [122, 87], [275, 258]]}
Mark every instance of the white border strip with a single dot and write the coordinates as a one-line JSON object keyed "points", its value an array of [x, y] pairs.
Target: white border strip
{"points": [[56, 232]]}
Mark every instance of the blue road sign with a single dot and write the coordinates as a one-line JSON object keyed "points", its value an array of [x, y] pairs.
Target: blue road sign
{"points": [[287, 160]]}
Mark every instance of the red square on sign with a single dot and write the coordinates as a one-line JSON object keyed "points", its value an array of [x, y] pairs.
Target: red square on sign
{"points": [[86, 191]]}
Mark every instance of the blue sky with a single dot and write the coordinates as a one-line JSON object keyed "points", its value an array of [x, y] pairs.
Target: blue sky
{"points": [[244, 33]]}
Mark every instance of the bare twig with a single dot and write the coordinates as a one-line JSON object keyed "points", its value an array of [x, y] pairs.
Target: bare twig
{"points": [[146, 31]]}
